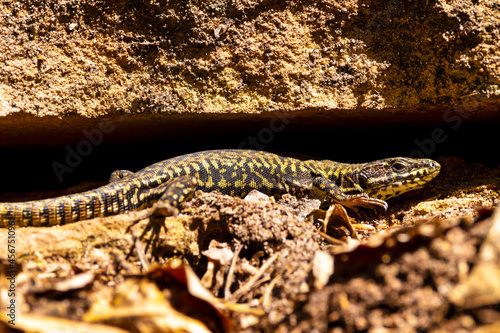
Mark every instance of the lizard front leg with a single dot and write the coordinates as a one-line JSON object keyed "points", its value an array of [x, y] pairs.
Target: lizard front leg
{"points": [[333, 191]]}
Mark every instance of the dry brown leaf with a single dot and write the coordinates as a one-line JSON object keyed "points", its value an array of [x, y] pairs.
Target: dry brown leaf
{"points": [[139, 303], [482, 287], [46, 324]]}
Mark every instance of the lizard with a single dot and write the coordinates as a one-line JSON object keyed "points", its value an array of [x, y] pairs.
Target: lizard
{"points": [[233, 172]]}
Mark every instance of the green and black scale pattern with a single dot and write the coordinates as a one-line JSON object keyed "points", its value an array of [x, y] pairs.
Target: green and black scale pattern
{"points": [[232, 172]]}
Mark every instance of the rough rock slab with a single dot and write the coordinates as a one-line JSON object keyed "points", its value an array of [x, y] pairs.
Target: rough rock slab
{"points": [[156, 65]]}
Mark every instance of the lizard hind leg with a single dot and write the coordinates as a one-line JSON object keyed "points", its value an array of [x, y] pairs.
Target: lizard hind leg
{"points": [[171, 195], [176, 191], [120, 175]]}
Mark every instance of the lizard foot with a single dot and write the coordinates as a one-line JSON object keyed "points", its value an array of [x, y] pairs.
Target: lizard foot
{"points": [[365, 202]]}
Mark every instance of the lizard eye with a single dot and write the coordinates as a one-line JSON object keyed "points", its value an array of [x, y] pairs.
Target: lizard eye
{"points": [[398, 166]]}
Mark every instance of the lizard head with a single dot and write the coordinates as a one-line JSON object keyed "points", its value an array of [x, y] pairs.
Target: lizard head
{"points": [[390, 177]]}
